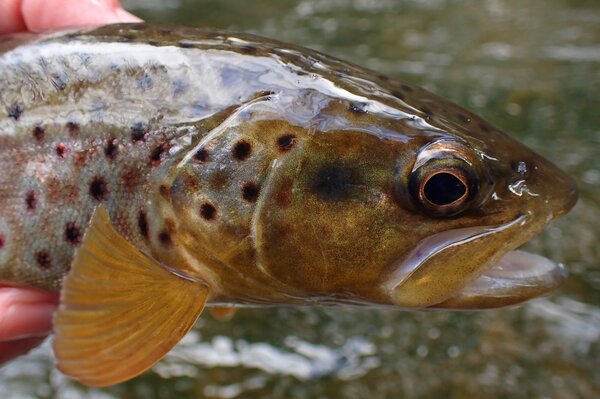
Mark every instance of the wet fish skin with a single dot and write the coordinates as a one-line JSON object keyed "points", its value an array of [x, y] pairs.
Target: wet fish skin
{"points": [[276, 174]]}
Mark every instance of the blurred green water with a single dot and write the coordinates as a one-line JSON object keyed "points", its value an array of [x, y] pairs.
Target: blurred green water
{"points": [[530, 67]]}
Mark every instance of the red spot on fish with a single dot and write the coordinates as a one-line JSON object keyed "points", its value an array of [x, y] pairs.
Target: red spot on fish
{"points": [[130, 178], [99, 188], [31, 200], [283, 197], [43, 259], [39, 133], [2, 240], [80, 158], [61, 150], [73, 233]]}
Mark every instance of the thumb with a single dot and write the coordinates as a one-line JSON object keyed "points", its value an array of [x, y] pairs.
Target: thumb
{"points": [[42, 15]]}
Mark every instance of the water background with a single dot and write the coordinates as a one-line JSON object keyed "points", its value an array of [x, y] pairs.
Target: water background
{"points": [[530, 67]]}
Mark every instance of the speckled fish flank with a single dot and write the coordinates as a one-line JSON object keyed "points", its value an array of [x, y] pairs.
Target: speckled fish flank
{"points": [[247, 171]]}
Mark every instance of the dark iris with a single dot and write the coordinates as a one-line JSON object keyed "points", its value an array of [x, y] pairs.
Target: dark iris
{"points": [[444, 189]]}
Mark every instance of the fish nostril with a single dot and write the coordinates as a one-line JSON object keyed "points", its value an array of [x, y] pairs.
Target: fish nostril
{"points": [[522, 168]]}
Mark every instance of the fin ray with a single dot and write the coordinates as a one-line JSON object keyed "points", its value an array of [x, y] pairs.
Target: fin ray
{"points": [[120, 310]]}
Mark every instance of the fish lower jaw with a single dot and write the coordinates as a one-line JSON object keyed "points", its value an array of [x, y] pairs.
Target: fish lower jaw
{"points": [[516, 277]]}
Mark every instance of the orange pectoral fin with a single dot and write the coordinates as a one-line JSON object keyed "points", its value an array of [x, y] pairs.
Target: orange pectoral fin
{"points": [[223, 313], [120, 310]]}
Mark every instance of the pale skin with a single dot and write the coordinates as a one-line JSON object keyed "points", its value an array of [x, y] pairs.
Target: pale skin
{"points": [[26, 313]]}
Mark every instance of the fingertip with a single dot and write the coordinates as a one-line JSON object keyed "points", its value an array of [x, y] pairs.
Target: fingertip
{"points": [[40, 15], [11, 19], [125, 16]]}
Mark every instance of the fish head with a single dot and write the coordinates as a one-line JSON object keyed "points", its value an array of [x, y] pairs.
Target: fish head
{"points": [[483, 194], [411, 212], [371, 204]]}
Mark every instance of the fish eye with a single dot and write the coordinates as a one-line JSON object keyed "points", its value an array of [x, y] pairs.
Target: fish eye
{"points": [[443, 186]]}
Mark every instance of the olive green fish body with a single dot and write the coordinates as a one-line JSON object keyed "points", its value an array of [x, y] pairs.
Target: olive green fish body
{"points": [[273, 173]]}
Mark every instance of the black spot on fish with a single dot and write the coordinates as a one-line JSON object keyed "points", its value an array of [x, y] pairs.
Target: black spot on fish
{"points": [[153, 42], [286, 142], [43, 259], [333, 183], [407, 88], [250, 192], [39, 133], [242, 150], [112, 149], [139, 132], [31, 200], [208, 211], [358, 108], [73, 233], [143, 224], [73, 128], [202, 155], [15, 111], [99, 188], [383, 78], [61, 150]]}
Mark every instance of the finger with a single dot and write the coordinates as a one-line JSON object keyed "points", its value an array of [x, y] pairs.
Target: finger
{"points": [[42, 15], [25, 313], [11, 19], [10, 350]]}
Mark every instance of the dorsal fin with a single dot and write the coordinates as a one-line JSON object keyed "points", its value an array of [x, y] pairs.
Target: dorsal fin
{"points": [[120, 310]]}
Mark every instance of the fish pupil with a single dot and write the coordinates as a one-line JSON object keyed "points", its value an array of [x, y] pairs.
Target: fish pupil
{"points": [[444, 189]]}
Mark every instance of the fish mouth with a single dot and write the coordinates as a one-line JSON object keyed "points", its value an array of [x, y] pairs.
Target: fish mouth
{"points": [[443, 271], [516, 277]]}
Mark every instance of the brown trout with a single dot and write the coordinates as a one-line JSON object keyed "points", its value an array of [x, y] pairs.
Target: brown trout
{"points": [[162, 168]]}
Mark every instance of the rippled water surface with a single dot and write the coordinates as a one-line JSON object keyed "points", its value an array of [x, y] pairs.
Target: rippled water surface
{"points": [[530, 67]]}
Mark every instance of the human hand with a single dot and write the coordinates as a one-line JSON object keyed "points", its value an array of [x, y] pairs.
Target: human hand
{"points": [[40, 15], [25, 319], [26, 313]]}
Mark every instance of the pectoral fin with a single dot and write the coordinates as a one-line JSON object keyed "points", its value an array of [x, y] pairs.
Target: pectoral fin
{"points": [[223, 313], [120, 310]]}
